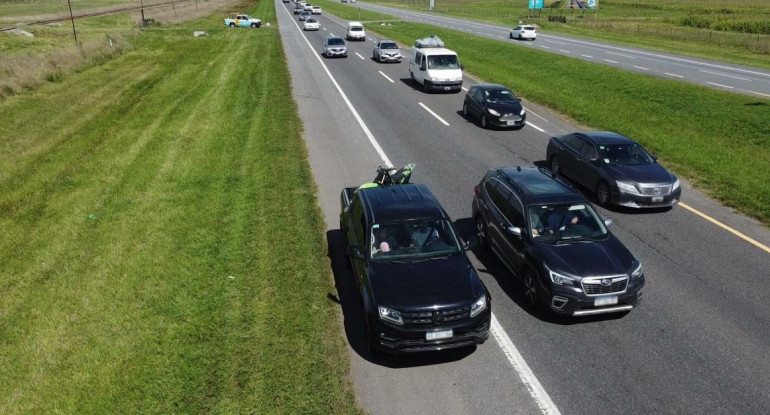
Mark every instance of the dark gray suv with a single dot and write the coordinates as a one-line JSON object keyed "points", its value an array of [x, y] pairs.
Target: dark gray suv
{"points": [[547, 233]]}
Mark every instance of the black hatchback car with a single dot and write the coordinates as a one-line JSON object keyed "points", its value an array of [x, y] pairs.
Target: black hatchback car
{"points": [[494, 106], [617, 168], [549, 236]]}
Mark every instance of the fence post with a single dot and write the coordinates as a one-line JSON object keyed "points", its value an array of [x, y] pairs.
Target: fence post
{"points": [[72, 19]]}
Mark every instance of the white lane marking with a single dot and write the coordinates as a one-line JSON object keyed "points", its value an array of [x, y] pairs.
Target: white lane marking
{"points": [[529, 379], [563, 51], [558, 43], [544, 47], [620, 54], [362, 58], [641, 67], [386, 77], [464, 88], [358, 118], [535, 127], [725, 227], [479, 33], [726, 76], [587, 56], [755, 92], [503, 37], [434, 114], [332, 34], [607, 60], [673, 74], [324, 29], [723, 86]]}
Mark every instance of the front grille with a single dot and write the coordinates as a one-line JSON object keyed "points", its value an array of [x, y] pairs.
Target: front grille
{"points": [[661, 190], [593, 286], [510, 117], [436, 317]]}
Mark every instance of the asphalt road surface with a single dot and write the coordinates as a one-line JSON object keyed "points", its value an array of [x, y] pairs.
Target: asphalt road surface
{"points": [[697, 343], [719, 75]]}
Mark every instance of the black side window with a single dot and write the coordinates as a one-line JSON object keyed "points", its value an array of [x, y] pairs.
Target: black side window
{"points": [[573, 142], [358, 213], [494, 194], [479, 95], [513, 211], [588, 150]]}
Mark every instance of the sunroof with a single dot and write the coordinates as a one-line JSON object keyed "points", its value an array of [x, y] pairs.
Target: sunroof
{"points": [[539, 186]]}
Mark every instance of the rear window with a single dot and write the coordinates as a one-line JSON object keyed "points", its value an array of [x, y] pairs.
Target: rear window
{"points": [[529, 28]]}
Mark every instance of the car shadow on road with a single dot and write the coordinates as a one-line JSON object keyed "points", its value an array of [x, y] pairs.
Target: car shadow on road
{"points": [[513, 287], [353, 317]]}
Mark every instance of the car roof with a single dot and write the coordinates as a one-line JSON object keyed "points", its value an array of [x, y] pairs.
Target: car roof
{"points": [[436, 51], [539, 186], [333, 37], [606, 137], [400, 202], [355, 23], [489, 86]]}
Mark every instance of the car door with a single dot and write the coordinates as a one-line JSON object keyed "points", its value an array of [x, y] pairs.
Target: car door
{"points": [[243, 21], [474, 107], [569, 155], [513, 245], [497, 220], [588, 170]]}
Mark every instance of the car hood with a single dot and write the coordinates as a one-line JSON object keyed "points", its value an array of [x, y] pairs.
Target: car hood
{"points": [[641, 173], [505, 108], [588, 258], [426, 283]]}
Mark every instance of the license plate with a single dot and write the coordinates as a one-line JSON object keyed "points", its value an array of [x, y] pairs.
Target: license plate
{"points": [[511, 122], [446, 88], [657, 198], [437, 335], [608, 300]]}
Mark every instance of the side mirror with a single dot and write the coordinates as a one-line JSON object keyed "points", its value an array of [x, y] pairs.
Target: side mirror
{"points": [[355, 252], [462, 67], [470, 243], [514, 230], [607, 222], [654, 157]]}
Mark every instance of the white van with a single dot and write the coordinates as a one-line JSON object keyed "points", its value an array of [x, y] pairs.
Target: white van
{"points": [[435, 67], [355, 31]]}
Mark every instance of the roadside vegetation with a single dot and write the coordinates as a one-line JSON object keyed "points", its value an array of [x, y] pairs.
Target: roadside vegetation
{"points": [[719, 141], [162, 248], [735, 31]]}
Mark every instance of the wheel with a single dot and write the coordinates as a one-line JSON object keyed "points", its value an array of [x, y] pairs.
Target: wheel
{"points": [[520, 38], [232, 24], [531, 291], [374, 56], [481, 232], [465, 109], [555, 165], [603, 193], [484, 121], [254, 25], [511, 35]]}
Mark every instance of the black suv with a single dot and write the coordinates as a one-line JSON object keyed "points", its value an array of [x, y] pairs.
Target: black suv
{"points": [[549, 235], [418, 288]]}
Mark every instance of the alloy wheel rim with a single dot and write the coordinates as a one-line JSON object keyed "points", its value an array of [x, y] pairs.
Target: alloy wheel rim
{"points": [[603, 193], [530, 290], [480, 231]]}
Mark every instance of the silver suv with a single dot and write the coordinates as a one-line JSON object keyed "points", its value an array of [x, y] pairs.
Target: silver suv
{"points": [[335, 46]]}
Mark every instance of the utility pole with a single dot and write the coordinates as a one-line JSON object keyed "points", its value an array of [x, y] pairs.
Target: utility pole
{"points": [[142, 3], [72, 19]]}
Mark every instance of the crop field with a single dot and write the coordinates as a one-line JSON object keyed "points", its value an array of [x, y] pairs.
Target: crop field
{"points": [[731, 30], [162, 251]]}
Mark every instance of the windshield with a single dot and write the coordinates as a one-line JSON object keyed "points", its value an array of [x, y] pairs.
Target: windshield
{"points": [[310, 21], [624, 154], [388, 46], [356, 28], [336, 41], [443, 62], [565, 222], [496, 96], [413, 239]]}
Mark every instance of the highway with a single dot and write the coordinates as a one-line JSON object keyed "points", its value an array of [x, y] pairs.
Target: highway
{"points": [[697, 343], [713, 74]]}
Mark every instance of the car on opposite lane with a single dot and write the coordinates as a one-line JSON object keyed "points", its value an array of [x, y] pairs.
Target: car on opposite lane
{"points": [[311, 24], [494, 106], [550, 237], [386, 50], [335, 46], [616, 168], [522, 32]]}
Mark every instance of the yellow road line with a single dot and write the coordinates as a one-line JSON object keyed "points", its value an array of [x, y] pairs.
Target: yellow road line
{"points": [[725, 227]]}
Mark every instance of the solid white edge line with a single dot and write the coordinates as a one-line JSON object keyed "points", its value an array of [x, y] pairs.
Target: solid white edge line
{"points": [[529, 379], [358, 118], [723, 86], [362, 58], [673, 74], [464, 88], [755, 92], [434, 114], [536, 127], [386, 77]]}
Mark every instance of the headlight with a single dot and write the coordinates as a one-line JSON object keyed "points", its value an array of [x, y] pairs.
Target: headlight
{"points": [[523, 111], [388, 314], [637, 272], [627, 188], [493, 112], [479, 305], [676, 185], [559, 279], [434, 79]]}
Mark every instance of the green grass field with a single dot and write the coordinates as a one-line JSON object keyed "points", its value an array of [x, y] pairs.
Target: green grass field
{"points": [[162, 248], [735, 31]]}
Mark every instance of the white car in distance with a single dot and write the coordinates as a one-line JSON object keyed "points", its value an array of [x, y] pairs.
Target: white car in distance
{"points": [[312, 24], [316, 10], [522, 32]]}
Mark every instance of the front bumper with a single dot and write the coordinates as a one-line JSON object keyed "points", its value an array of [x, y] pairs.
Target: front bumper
{"points": [[510, 121], [390, 58], [402, 339], [444, 85], [332, 52], [572, 302], [640, 201]]}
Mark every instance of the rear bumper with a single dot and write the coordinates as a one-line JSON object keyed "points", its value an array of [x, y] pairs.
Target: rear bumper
{"points": [[444, 85]]}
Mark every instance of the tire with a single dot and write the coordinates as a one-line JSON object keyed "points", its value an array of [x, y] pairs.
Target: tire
{"points": [[254, 25], [465, 109], [555, 166], [520, 38], [531, 291], [603, 195], [232, 24], [511, 35], [484, 122], [481, 233]]}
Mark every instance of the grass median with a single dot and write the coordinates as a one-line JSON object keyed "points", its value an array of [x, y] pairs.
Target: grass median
{"points": [[162, 248]]}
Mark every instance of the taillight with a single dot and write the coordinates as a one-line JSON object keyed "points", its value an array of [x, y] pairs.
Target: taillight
{"points": [[476, 189]]}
